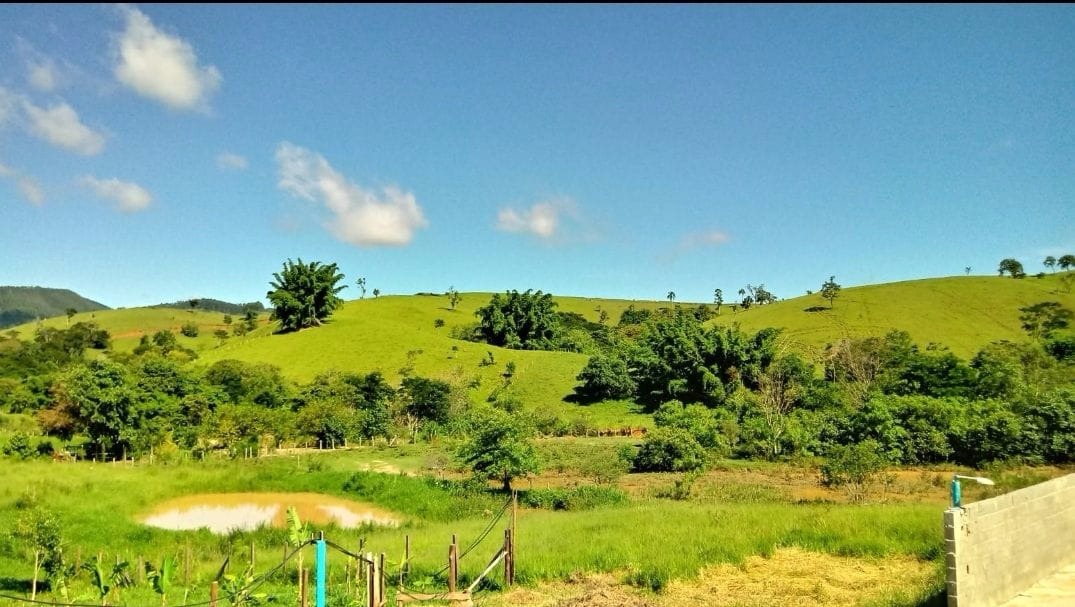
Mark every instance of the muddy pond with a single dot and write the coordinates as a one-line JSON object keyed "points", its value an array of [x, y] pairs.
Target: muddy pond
{"points": [[221, 513]]}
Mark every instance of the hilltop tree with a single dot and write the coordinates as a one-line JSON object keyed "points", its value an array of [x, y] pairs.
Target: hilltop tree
{"points": [[1066, 262], [193, 303], [830, 290], [453, 297], [718, 298], [671, 296], [361, 284], [1012, 267], [1050, 262], [966, 270], [70, 314], [376, 293], [304, 294]]}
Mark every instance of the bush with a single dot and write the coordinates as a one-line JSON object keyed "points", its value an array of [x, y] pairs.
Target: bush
{"points": [[189, 329], [585, 497], [19, 446], [855, 467], [670, 450]]}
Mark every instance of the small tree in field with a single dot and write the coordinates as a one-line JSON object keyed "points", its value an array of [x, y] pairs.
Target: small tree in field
{"points": [[500, 448], [830, 290]]}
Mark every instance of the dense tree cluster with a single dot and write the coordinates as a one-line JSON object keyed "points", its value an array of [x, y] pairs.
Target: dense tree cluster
{"points": [[520, 320], [748, 397]]}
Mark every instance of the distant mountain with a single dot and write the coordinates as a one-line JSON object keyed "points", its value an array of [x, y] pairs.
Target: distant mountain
{"points": [[214, 305], [24, 304]]}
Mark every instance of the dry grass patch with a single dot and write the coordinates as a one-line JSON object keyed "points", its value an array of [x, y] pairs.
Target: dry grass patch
{"points": [[791, 577], [797, 578]]}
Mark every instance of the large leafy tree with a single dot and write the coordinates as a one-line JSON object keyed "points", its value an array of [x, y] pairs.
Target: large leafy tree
{"points": [[830, 290], [305, 294]]}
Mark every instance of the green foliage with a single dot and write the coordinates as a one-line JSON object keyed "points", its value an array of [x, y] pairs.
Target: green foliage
{"points": [[583, 497], [1012, 267], [161, 577], [605, 377], [830, 290], [1066, 262], [670, 450], [855, 467], [499, 448], [18, 445], [519, 320], [303, 295], [1043, 319], [189, 329], [427, 399]]}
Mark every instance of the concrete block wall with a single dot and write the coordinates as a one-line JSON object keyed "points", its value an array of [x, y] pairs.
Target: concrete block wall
{"points": [[998, 547]]}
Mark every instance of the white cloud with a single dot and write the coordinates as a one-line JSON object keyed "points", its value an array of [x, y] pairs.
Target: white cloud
{"points": [[229, 161], [161, 66], [708, 238], [541, 220], [552, 220], [31, 190], [43, 75], [29, 187], [8, 106], [128, 196], [61, 126], [359, 216]]}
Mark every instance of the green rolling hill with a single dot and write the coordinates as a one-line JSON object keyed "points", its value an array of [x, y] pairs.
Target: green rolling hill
{"points": [[390, 333], [24, 304]]}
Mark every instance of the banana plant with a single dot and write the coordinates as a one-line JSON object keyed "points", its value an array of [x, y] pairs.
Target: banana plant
{"points": [[101, 582], [162, 577], [238, 588], [297, 532]]}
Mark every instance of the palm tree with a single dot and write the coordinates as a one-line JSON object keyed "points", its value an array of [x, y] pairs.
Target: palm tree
{"points": [[671, 296]]}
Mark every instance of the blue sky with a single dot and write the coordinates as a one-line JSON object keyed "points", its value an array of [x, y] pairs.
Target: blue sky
{"points": [[154, 153]]}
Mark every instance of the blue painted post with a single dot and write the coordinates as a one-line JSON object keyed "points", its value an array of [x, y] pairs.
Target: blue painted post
{"points": [[319, 579], [957, 494]]}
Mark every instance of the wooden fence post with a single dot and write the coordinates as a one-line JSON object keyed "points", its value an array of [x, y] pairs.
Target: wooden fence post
{"points": [[304, 580], [214, 589], [453, 564], [380, 580], [406, 570]]}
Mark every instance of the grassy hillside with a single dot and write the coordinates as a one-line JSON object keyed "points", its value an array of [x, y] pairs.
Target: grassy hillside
{"points": [[390, 333], [24, 304], [128, 325], [962, 312]]}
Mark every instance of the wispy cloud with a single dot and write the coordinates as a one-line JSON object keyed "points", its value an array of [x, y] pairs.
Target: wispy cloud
{"points": [[61, 126], [42, 75], [128, 196], [28, 186], [161, 66], [548, 220], [359, 216], [706, 238], [231, 162]]}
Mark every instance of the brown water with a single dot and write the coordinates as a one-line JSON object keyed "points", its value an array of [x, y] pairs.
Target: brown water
{"points": [[224, 512]]}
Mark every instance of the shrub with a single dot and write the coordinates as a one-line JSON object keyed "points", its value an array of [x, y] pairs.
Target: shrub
{"points": [[855, 467], [670, 450], [189, 329]]}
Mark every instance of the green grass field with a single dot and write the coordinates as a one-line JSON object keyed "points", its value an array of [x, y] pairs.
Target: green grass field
{"points": [[647, 541]]}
